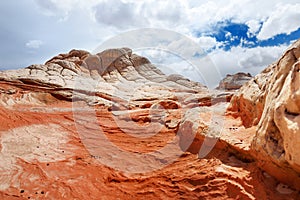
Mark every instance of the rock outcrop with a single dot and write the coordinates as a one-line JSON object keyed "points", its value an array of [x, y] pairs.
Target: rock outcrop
{"points": [[112, 125], [271, 103], [235, 81], [116, 76]]}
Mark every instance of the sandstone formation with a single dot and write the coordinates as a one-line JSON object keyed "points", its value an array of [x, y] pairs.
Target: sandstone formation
{"points": [[234, 82], [113, 126], [116, 76], [271, 103]]}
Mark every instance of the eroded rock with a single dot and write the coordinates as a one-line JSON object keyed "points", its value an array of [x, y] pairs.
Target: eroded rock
{"points": [[113, 72], [271, 101]]}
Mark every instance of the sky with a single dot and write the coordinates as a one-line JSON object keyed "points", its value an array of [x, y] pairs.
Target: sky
{"points": [[233, 35]]}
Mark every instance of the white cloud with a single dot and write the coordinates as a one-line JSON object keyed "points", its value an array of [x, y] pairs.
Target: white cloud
{"points": [[181, 16], [63, 9], [116, 13], [129, 14], [251, 60], [254, 27], [34, 44], [206, 13], [285, 19], [207, 42], [260, 56]]}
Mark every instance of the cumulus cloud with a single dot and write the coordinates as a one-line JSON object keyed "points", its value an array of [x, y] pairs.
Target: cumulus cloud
{"points": [[254, 27], [285, 19], [127, 14], [116, 13], [34, 44], [251, 60], [260, 56], [182, 16], [207, 42], [63, 9], [203, 14], [169, 10]]}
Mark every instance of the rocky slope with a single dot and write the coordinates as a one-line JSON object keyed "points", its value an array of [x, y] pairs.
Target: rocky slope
{"points": [[112, 125]]}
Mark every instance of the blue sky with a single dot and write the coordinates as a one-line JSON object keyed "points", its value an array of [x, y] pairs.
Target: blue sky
{"points": [[237, 35], [232, 34]]}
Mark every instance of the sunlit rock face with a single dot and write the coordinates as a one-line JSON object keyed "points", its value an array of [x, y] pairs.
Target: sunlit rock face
{"points": [[271, 101]]}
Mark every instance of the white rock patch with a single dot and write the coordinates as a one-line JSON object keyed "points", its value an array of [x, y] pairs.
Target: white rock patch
{"points": [[43, 143]]}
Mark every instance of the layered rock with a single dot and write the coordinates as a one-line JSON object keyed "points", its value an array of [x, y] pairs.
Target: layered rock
{"points": [[116, 76], [235, 81], [271, 101]]}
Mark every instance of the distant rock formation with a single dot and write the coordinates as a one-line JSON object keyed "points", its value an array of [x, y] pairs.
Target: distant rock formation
{"points": [[271, 102], [116, 75], [234, 82]]}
